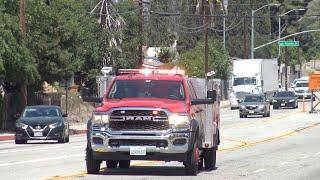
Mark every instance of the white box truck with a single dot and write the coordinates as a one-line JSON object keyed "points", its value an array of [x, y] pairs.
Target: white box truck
{"points": [[253, 76]]}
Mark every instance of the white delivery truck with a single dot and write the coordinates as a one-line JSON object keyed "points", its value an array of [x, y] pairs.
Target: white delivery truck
{"points": [[253, 76]]}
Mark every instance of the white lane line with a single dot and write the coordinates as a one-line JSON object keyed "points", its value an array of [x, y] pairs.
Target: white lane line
{"points": [[40, 160], [259, 170], [24, 150], [284, 163], [304, 157]]}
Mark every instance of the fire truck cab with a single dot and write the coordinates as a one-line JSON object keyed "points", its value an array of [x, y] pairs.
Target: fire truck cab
{"points": [[151, 114]]}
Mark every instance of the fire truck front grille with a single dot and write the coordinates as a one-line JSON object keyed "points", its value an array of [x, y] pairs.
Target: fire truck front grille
{"points": [[139, 125], [138, 120]]}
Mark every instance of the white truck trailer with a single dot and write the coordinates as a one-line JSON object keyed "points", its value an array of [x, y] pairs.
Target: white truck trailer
{"points": [[253, 76]]}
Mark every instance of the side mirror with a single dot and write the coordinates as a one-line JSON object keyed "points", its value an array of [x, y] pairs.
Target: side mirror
{"points": [[212, 94], [201, 101], [64, 115]]}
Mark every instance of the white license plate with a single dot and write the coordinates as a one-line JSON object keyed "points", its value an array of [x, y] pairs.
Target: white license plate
{"points": [[138, 151], [37, 134], [283, 104], [251, 112]]}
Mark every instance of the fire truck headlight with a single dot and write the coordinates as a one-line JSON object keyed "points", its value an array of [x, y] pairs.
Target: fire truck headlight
{"points": [[100, 118], [179, 120]]}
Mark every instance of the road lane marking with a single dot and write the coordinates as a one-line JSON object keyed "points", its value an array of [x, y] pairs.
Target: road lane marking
{"points": [[259, 170], [84, 173], [24, 150], [284, 163], [286, 134], [40, 160]]}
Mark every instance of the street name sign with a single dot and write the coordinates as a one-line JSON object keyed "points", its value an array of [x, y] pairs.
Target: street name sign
{"points": [[289, 43]]}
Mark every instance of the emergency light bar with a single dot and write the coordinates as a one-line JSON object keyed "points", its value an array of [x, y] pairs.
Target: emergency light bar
{"points": [[151, 71]]}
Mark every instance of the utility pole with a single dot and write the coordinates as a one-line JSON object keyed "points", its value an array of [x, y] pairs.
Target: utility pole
{"points": [[23, 30], [140, 62], [286, 66], [205, 11], [245, 43], [299, 62]]}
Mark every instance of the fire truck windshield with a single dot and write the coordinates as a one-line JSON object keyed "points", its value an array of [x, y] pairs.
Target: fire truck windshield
{"points": [[147, 88]]}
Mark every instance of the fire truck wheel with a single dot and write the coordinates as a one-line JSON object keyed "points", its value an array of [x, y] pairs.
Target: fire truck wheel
{"points": [[124, 164], [191, 165], [112, 164], [93, 166], [210, 155]]}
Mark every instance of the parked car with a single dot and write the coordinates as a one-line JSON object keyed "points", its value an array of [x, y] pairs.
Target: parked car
{"points": [[254, 104], [285, 99], [42, 122]]}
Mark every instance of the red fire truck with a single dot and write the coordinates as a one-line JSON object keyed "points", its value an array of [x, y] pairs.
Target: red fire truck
{"points": [[152, 114]]}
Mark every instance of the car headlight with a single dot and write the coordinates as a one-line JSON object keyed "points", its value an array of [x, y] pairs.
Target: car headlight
{"points": [[291, 100], [21, 125], [261, 106], [100, 118], [274, 100], [54, 125], [179, 120], [242, 106]]}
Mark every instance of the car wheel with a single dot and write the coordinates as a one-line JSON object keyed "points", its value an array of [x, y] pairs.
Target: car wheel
{"points": [[67, 139], [240, 115], [93, 166], [275, 107], [210, 158], [191, 165], [62, 140], [18, 141], [112, 164], [124, 164]]}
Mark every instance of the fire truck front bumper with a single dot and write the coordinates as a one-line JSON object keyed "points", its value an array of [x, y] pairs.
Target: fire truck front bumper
{"points": [[164, 146]]}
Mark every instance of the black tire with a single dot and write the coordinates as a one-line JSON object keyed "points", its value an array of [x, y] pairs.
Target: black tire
{"points": [[67, 139], [112, 164], [18, 141], [62, 140], [240, 115], [245, 116], [93, 166], [191, 165], [275, 107], [210, 158], [124, 164]]}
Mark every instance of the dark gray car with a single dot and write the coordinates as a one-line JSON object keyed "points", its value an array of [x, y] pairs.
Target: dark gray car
{"points": [[42, 122], [254, 104]]}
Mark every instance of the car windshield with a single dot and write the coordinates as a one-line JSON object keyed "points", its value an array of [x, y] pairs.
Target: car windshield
{"points": [[285, 94], [253, 99], [40, 112], [147, 88], [244, 81], [300, 84]]}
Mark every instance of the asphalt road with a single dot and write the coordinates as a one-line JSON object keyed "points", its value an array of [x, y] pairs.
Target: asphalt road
{"points": [[283, 146]]}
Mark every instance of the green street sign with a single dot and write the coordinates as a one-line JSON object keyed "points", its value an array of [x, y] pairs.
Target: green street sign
{"points": [[289, 43]]}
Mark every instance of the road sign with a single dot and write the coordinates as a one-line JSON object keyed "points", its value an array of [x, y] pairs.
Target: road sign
{"points": [[314, 82], [289, 43]]}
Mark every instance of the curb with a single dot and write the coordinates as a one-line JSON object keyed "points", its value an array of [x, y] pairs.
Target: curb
{"points": [[71, 132]]}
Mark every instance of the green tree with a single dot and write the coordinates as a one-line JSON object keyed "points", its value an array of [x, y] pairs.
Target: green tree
{"points": [[193, 60]]}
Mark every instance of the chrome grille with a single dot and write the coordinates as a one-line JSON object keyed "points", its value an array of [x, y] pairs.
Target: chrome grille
{"points": [[118, 120], [251, 107]]}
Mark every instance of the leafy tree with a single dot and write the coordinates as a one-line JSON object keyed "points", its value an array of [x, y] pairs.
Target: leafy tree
{"points": [[193, 60]]}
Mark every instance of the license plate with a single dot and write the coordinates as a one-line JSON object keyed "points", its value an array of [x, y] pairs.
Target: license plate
{"points": [[37, 134], [251, 112], [138, 151], [283, 104]]}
